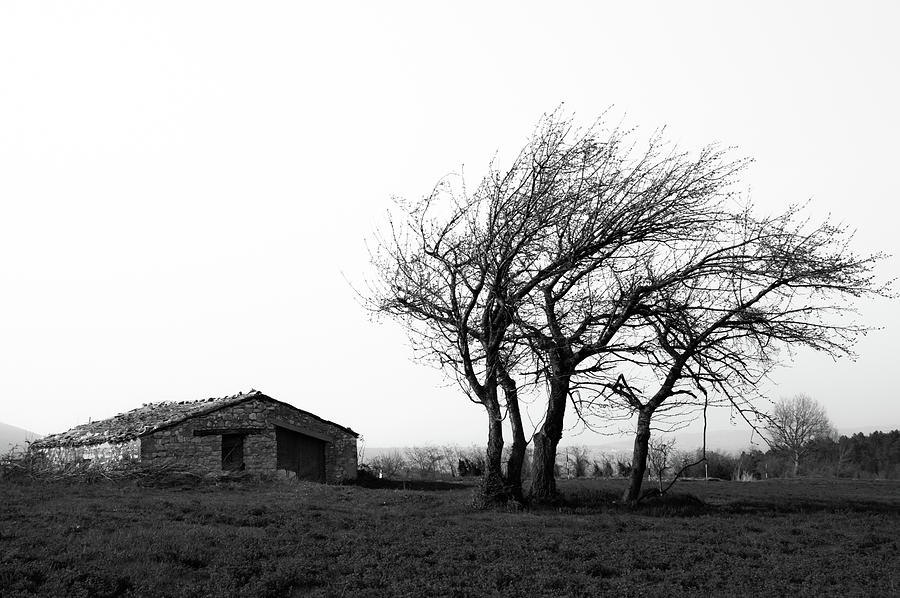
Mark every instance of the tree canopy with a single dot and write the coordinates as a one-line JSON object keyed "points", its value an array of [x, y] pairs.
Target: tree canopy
{"points": [[797, 422]]}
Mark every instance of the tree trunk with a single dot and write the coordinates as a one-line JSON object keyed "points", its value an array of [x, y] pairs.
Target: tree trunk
{"points": [[517, 449], [639, 458], [796, 463], [492, 490], [543, 462], [546, 439]]}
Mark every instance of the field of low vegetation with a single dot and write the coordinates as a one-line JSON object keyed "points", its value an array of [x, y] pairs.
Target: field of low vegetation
{"points": [[248, 538]]}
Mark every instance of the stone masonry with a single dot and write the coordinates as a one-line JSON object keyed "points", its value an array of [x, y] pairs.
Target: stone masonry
{"points": [[180, 444], [190, 434]]}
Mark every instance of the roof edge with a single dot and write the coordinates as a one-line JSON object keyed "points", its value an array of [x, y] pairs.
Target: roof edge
{"points": [[50, 442], [253, 394]]}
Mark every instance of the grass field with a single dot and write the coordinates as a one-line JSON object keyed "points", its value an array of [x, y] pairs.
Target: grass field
{"points": [[798, 538]]}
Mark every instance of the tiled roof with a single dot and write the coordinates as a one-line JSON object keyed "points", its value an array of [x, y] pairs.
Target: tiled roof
{"points": [[143, 420]]}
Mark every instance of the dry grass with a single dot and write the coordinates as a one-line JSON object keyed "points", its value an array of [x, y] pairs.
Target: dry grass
{"points": [[809, 538]]}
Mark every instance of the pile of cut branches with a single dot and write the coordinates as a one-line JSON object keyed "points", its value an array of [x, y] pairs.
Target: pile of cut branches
{"points": [[31, 466]]}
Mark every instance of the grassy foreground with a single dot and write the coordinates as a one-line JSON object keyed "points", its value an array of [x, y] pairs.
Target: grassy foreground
{"points": [[839, 538]]}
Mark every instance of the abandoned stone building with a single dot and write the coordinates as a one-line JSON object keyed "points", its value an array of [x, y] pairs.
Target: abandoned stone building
{"points": [[248, 431]]}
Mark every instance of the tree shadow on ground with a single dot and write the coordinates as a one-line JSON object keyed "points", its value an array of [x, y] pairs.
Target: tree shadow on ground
{"points": [[668, 505], [688, 505]]}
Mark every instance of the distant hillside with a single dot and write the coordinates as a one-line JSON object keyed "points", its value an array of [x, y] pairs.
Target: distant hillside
{"points": [[11, 437]]}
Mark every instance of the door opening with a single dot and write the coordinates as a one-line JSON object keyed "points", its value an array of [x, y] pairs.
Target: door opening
{"points": [[302, 454]]}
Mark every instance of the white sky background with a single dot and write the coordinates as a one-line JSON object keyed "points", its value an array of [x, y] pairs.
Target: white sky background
{"points": [[184, 186]]}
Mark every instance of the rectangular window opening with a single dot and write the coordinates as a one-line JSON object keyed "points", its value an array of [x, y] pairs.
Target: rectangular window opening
{"points": [[232, 452]]}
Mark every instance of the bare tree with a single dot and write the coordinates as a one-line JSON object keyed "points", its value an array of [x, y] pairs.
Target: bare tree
{"points": [[625, 282], [623, 207], [536, 257], [795, 424], [450, 454], [578, 461], [774, 283], [603, 467], [435, 275], [427, 459], [456, 264], [661, 456]]}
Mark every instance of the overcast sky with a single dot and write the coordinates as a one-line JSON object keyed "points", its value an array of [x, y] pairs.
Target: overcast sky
{"points": [[187, 187]]}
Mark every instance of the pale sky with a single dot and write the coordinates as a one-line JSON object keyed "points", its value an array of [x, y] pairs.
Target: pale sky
{"points": [[186, 188]]}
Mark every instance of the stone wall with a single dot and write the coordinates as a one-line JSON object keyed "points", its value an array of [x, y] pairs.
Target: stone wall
{"points": [[258, 417]]}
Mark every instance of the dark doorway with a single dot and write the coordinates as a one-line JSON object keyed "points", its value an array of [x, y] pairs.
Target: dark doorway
{"points": [[232, 452], [302, 454]]}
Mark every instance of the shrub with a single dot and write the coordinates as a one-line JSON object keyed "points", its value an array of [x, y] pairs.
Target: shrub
{"points": [[427, 459], [387, 465], [718, 465], [577, 461], [471, 462]]}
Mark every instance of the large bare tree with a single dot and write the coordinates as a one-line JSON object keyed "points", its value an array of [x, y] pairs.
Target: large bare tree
{"points": [[547, 254], [454, 266], [631, 207], [588, 265]]}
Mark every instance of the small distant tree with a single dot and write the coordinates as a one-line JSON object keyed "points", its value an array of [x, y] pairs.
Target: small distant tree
{"points": [[749, 466], [451, 454], [608, 469], [795, 424], [660, 457], [577, 461], [602, 468]]}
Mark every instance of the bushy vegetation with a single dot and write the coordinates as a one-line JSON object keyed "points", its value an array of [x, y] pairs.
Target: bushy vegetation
{"points": [[872, 456], [427, 462], [876, 455], [450, 461]]}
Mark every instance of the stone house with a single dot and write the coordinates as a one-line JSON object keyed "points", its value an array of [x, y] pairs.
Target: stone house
{"points": [[248, 431]]}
